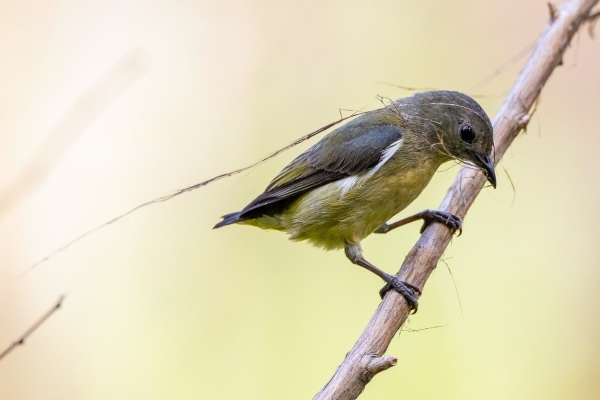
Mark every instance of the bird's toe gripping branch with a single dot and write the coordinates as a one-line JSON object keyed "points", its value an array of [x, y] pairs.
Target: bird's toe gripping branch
{"points": [[407, 290], [453, 222]]}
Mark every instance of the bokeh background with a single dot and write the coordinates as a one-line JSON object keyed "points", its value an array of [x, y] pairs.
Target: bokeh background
{"points": [[107, 104]]}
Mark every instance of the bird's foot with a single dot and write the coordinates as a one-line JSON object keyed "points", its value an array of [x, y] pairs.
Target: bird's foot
{"points": [[453, 222], [407, 290]]}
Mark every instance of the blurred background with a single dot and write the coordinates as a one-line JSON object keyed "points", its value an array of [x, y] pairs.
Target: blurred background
{"points": [[107, 104]]}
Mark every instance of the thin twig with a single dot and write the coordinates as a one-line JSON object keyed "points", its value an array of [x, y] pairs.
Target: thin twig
{"points": [[347, 382], [504, 66], [190, 188], [427, 88], [32, 328], [591, 19]]}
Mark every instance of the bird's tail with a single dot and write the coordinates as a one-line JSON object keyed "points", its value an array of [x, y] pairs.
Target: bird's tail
{"points": [[229, 219]]}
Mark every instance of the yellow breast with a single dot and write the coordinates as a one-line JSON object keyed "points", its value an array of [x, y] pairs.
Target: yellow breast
{"points": [[351, 209]]}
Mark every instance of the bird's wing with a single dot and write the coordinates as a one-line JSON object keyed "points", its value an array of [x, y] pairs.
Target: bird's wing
{"points": [[353, 149]]}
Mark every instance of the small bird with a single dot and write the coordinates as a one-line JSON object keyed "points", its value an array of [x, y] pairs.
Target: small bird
{"points": [[349, 184]]}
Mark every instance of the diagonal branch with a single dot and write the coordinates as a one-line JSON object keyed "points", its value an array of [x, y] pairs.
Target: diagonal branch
{"points": [[356, 370], [32, 328]]}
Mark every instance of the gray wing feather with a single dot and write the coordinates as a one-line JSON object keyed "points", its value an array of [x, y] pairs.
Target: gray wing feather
{"points": [[356, 155], [349, 150]]}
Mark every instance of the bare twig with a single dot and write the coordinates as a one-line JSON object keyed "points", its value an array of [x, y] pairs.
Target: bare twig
{"points": [[191, 188], [348, 382], [504, 66], [591, 20], [552, 11], [427, 88], [32, 328]]}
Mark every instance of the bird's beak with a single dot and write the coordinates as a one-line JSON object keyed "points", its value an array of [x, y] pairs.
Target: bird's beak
{"points": [[487, 165]]}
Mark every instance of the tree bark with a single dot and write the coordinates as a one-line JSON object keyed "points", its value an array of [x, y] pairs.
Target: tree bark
{"points": [[365, 359]]}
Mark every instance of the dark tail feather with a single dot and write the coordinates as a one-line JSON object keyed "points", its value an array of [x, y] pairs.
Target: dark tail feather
{"points": [[229, 219]]}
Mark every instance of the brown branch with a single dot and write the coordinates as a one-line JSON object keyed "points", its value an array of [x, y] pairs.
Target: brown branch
{"points": [[32, 328], [354, 373]]}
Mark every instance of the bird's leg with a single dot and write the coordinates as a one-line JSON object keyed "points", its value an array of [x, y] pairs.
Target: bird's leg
{"points": [[454, 222], [408, 291]]}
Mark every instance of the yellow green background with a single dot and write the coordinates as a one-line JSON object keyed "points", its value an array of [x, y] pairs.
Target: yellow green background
{"points": [[160, 306]]}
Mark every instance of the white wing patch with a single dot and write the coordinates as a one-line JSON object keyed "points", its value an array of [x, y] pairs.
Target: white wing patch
{"points": [[385, 156], [344, 185]]}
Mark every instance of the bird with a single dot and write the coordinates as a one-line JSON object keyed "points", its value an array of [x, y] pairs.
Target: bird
{"points": [[360, 175]]}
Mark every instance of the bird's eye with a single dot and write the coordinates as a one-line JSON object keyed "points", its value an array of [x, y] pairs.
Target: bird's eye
{"points": [[467, 134]]}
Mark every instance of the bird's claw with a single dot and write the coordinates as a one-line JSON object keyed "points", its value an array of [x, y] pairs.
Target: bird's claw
{"points": [[453, 222], [406, 289]]}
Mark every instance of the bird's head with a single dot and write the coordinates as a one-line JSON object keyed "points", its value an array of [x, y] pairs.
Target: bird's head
{"points": [[455, 126]]}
